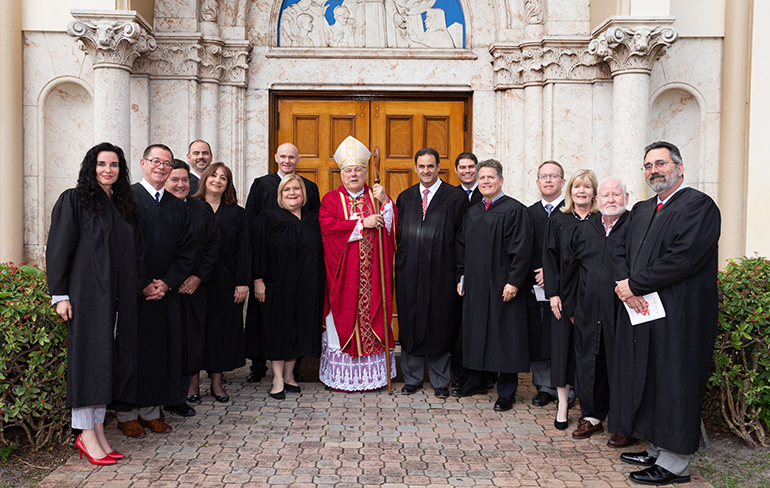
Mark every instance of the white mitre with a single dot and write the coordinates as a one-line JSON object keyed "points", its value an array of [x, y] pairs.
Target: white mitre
{"points": [[351, 152]]}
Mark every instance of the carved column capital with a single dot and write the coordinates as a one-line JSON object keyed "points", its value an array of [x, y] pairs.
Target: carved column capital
{"points": [[211, 67], [235, 63], [632, 48], [548, 60], [114, 40]]}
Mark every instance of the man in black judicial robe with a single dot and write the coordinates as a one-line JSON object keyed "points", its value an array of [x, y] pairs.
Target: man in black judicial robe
{"points": [[199, 156], [593, 307], [490, 274], [430, 216], [668, 246], [263, 195], [465, 168], [192, 291], [550, 181], [165, 225]]}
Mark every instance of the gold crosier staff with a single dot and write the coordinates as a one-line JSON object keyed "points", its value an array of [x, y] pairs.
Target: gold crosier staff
{"points": [[376, 165]]}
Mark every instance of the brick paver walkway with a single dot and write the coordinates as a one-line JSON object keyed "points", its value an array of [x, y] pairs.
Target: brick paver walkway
{"points": [[323, 438]]}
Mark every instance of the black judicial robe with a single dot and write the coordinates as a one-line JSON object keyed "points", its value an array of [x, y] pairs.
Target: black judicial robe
{"points": [[593, 303], [263, 195], [206, 234], [169, 253], [426, 290], [662, 366], [94, 258], [223, 350], [495, 332], [538, 313], [557, 238], [194, 181], [288, 256]]}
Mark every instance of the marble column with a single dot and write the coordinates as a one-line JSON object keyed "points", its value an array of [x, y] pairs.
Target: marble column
{"points": [[113, 39], [11, 137], [733, 157], [630, 47]]}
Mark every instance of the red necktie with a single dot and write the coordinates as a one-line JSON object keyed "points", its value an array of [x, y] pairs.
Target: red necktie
{"points": [[486, 205], [425, 201], [657, 209]]}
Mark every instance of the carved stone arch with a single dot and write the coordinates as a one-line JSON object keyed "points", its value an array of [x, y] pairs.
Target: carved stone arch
{"points": [[673, 109]]}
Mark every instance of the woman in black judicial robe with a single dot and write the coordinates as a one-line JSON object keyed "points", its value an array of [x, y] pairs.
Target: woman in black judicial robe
{"points": [[92, 261], [228, 283], [289, 282], [579, 206]]}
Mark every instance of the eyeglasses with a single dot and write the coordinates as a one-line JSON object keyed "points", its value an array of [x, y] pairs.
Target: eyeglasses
{"points": [[549, 177], [158, 162], [659, 164]]}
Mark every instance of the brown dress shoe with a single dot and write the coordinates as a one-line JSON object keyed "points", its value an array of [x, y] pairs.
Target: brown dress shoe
{"points": [[132, 428], [586, 429], [620, 440], [156, 425]]}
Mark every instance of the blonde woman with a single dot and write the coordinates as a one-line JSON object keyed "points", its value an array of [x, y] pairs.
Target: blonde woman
{"points": [[579, 206]]}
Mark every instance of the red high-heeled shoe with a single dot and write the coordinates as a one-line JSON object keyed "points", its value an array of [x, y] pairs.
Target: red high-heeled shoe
{"points": [[115, 455], [99, 462]]}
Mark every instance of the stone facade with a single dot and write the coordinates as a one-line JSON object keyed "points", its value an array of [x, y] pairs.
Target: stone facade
{"points": [[543, 85]]}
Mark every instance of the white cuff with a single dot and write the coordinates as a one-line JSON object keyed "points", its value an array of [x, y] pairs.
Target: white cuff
{"points": [[356, 234], [387, 215], [59, 298]]}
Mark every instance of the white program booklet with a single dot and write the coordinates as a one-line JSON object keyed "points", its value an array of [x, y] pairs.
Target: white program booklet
{"points": [[654, 310], [539, 293]]}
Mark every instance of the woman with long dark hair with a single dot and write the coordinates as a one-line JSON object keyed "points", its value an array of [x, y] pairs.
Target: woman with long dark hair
{"points": [[228, 283], [92, 260]]}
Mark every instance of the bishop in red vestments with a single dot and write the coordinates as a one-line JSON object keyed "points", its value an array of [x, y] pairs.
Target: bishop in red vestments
{"points": [[353, 350]]}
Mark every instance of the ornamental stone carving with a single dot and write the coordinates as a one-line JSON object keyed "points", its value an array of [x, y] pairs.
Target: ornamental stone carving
{"points": [[174, 58], [111, 43], [546, 61], [632, 50], [533, 11], [235, 63], [209, 10], [211, 61]]}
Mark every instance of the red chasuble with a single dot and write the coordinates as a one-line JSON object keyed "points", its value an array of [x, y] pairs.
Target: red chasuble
{"points": [[353, 290]]}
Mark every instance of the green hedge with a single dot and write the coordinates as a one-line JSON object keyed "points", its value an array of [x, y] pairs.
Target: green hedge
{"points": [[33, 358], [740, 381]]}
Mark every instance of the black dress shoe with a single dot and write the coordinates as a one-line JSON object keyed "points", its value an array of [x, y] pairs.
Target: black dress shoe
{"points": [[561, 425], [281, 395], [292, 388], [409, 389], [656, 475], [459, 381], [542, 399], [194, 398], [442, 392], [503, 404], [220, 398], [469, 390], [639, 458], [183, 410]]}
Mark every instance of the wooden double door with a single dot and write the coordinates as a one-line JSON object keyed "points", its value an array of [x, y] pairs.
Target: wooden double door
{"points": [[398, 127]]}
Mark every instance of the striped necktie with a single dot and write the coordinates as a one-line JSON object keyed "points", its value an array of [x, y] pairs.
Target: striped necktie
{"points": [[424, 202], [157, 197]]}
